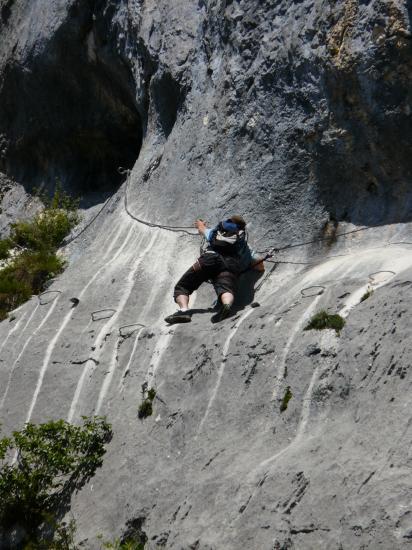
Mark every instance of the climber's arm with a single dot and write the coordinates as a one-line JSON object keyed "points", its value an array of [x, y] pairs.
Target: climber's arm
{"points": [[205, 231]]}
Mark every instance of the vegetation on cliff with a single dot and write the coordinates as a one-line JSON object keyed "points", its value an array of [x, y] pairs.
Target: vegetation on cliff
{"points": [[29, 254], [42, 465]]}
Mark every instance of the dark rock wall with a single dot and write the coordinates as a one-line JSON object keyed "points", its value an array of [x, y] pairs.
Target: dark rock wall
{"points": [[68, 104]]}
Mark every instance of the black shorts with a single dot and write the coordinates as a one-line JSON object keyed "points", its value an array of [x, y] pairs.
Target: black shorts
{"points": [[222, 272]]}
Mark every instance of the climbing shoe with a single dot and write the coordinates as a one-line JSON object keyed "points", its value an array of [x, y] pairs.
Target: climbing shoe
{"points": [[178, 317], [223, 312]]}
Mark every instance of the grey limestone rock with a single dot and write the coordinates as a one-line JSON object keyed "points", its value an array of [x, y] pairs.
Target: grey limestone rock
{"points": [[296, 115]]}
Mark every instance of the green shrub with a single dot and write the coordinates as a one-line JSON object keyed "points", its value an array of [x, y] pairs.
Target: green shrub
{"points": [[13, 292], [49, 227], [367, 294], [146, 406], [52, 460], [63, 538], [59, 199], [5, 245], [35, 268], [129, 544], [145, 409], [46, 231], [30, 270], [323, 320], [25, 276], [151, 394], [286, 398]]}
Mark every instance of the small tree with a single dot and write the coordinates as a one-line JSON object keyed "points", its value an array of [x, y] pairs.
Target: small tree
{"points": [[41, 467]]}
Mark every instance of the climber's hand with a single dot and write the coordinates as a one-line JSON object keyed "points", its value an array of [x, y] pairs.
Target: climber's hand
{"points": [[201, 226]]}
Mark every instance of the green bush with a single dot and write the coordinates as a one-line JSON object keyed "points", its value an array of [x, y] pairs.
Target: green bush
{"points": [[25, 276], [151, 394], [40, 238], [5, 245], [59, 199], [52, 460], [63, 538], [323, 320], [145, 409], [35, 268], [286, 398], [367, 294], [129, 544], [50, 226], [46, 231], [12, 291], [146, 406]]}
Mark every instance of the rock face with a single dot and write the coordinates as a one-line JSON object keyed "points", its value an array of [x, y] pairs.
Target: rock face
{"points": [[297, 115]]}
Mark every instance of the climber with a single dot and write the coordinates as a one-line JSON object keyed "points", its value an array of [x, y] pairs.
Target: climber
{"points": [[227, 256]]}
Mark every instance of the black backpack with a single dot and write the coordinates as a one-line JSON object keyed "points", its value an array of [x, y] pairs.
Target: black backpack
{"points": [[226, 242]]}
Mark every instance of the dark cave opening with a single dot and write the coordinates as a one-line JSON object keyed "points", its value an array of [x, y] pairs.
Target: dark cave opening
{"points": [[167, 98], [70, 116], [76, 134]]}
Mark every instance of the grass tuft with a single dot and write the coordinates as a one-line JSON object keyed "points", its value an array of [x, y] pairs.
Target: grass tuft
{"points": [[324, 320], [129, 544], [286, 398], [367, 294], [145, 409], [151, 394], [146, 406]]}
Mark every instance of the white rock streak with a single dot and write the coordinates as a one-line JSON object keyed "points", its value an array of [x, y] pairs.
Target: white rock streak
{"points": [[222, 365], [123, 301], [91, 363], [298, 326], [300, 432], [127, 367], [18, 357], [33, 334], [62, 327], [113, 241], [397, 265], [13, 330], [162, 344]]}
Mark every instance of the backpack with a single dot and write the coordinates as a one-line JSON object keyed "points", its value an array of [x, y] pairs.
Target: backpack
{"points": [[227, 239]]}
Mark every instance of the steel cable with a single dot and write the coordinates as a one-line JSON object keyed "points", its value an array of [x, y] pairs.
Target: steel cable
{"points": [[174, 228]]}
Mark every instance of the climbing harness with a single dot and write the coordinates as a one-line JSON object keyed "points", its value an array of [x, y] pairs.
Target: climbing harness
{"points": [[174, 228]]}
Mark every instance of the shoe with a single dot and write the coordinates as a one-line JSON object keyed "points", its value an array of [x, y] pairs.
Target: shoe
{"points": [[224, 312], [178, 317]]}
